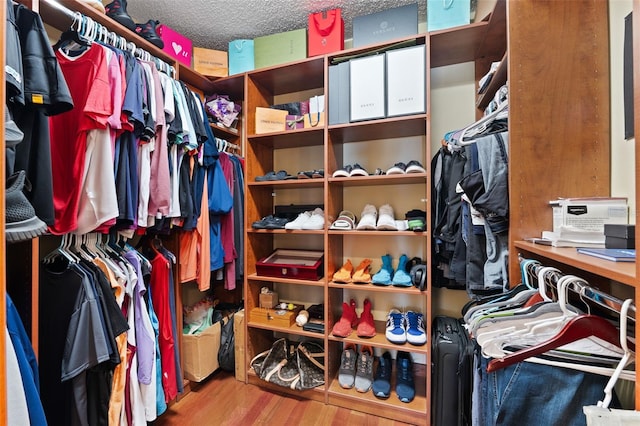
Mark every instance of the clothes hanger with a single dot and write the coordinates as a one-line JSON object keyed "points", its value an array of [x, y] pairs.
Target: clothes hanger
{"points": [[482, 124]]}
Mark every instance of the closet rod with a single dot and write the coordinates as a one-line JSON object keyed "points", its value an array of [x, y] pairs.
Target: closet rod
{"points": [[60, 14]]}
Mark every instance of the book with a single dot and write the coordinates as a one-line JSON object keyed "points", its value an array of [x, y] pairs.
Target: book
{"points": [[614, 255]]}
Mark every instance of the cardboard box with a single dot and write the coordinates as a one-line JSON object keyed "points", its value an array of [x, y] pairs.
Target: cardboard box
{"points": [[447, 14], [280, 48], [241, 56], [386, 25], [239, 345], [297, 264], [211, 63], [367, 88], [275, 317], [200, 353], [268, 300], [270, 120], [175, 44], [406, 81], [590, 214]]}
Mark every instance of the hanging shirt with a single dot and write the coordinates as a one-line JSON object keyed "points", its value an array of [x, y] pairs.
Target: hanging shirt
{"points": [[88, 81]]}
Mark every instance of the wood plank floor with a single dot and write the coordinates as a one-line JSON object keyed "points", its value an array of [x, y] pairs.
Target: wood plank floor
{"points": [[221, 400]]}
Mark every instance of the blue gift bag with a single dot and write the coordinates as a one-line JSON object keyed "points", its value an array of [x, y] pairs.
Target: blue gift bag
{"points": [[240, 56], [443, 14]]}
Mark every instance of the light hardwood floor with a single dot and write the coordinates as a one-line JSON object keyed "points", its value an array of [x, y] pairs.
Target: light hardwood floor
{"points": [[221, 400]]}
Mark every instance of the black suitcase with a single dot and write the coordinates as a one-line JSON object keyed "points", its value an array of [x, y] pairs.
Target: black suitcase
{"points": [[451, 373]]}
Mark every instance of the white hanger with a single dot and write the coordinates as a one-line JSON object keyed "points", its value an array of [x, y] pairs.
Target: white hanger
{"points": [[481, 125]]}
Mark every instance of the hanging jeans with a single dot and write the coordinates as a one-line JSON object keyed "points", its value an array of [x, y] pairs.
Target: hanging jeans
{"points": [[527, 394]]}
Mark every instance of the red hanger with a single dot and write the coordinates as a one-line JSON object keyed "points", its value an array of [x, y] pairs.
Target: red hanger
{"points": [[577, 328]]}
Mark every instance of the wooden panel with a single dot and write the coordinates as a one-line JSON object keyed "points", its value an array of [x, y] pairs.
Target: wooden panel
{"points": [[636, 122], [559, 126]]}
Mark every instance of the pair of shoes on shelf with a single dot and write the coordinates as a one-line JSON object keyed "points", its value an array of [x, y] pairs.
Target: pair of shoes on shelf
{"points": [[351, 171], [365, 326], [356, 369], [273, 176], [401, 168], [405, 386], [387, 276], [311, 174], [371, 219], [309, 220], [406, 327], [117, 10], [346, 273], [270, 222], [346, 221]]}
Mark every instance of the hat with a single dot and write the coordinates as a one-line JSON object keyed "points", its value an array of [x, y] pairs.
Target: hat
{"points": [[12, 133]]}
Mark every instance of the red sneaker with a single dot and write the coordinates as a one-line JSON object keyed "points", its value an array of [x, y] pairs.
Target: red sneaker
{"points": [[366, 327]]}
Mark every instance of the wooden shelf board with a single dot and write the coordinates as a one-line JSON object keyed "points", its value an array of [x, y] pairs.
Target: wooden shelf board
{"points": [[498, 80], [385, 128], [256, 277], [367, 233], [285, 231], [380, 341], [411, 291], [294, 329], [405, 179], [289, 184], [624, 272], [289, 139], [297, 76]]}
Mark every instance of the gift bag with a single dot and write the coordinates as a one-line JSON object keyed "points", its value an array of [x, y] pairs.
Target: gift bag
{"points": [[326, 32], [240, 56], [443, 14]]}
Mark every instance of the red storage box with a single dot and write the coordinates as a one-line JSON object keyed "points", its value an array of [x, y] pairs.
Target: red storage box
{"points": [[297, 264], [175, 44]]}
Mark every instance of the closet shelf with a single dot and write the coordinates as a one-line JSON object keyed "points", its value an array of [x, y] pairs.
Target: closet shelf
{"points": [[380, 233], [256, 277], [411, 291], [289, 139], [623, 272], [289, 184], [380, 341], [406, 179], [498, 80], [294, 329], [395, 127]]}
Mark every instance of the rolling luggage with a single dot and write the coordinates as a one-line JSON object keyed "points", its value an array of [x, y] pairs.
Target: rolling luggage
{"points": [[452, 373]]}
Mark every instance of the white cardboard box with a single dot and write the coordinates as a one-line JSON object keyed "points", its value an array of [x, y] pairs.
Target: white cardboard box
{"points": [[367, 88], [406, 81], [589, 214]]}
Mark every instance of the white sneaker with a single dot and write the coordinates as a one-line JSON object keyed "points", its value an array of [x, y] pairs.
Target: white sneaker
{"points": [[396, 331], [368, 218], [416, 334], [386, 219], [316, 221], [298, 221]]}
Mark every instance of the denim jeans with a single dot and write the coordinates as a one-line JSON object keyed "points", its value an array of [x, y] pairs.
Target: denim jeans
{"points": [[527, 394]]}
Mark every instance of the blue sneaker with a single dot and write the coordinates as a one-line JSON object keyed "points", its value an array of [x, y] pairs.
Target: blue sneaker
{"points": [[396, 329], [401, 278], [405, 387], [382, 380], [416, 334]]}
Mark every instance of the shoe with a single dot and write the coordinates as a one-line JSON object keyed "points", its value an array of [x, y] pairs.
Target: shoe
{"points": [[405, 387], [385, 274], [416, 334], [364, 369], [343, 172], [298, 221], [21, 222], [318, 174], [117, 10], [96, 4], [386, 220], [346, 221], [148, 32], [396, 331], [358, 170], [343, 275], [366, 326], [348, 321], [378, 172], [368, 218], [308, 174], [414, 166], [316, 221], [270, 222], [361, 274], [381, 386], [401, 277], [347, 370], [416, 220], [266, 177], [397, 169]]}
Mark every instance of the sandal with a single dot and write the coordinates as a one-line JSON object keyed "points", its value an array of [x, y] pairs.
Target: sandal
{"points": [[343, 275], [346, 221], [361, 274]]}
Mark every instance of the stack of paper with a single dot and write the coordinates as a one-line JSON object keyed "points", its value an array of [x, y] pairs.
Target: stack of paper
{"points": [[568, 236]]}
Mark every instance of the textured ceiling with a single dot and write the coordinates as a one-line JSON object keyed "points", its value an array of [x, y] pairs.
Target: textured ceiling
{"points": [[213, 23]]}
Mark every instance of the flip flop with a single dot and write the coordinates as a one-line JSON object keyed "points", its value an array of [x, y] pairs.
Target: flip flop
{"points": [[343, 275], [361, 274], [346, 221]]}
